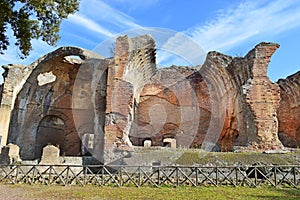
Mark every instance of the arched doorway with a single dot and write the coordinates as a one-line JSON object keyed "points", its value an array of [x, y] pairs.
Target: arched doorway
{"points": [[51, 130]]}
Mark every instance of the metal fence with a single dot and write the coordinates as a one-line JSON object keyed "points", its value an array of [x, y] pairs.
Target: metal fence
{"points": [[156, 176]]}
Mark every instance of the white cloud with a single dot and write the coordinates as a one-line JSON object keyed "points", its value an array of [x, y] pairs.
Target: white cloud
{"points": [[135, 4], [180, 50], [101, 12], [94, 15], [12, 54], [73, 36], [89, 24], [251, 19], [246, 22], [7, 58]]}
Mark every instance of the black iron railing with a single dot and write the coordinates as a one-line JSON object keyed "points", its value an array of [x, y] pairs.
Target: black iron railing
{"points": [[115, 175]]}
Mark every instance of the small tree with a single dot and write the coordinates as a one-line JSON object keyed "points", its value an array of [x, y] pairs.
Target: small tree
{"points": [[33, 19]]}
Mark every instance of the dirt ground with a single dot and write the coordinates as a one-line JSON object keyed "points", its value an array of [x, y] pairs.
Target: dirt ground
{"points": [[9, 192]]}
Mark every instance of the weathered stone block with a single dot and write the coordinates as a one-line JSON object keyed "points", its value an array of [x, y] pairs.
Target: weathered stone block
{"points": [[50, 155], [10, 154], [147, 143]]}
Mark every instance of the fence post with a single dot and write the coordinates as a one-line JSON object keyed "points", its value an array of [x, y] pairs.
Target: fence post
{"points": [[294, 175], [121, 174], [255, 176], [84, 175], [216, 169], [17, 173], [67, 176], [197, 176], [49, 175], [158, 175], [139, 176], [275, 175], [236, 175], [102, 175], [177, 176]]}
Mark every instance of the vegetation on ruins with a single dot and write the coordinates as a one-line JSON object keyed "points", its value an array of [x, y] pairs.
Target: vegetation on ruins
{"points": [[32, 19]]}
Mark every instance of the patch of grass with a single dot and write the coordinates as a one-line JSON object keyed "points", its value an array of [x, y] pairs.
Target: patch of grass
{"points": [[96, 192], [229, 158]]}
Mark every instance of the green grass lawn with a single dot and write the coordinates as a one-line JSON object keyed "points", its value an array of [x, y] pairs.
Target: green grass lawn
{"points": [[95, 192], [190, 157]]}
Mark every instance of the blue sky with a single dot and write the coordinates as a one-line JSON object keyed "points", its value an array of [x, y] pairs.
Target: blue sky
{"points": [[232, 27]]}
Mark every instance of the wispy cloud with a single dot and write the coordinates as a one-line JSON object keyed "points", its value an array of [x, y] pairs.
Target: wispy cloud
{"points": [[249, 20], [8, 58], [76, 39], [135, 4], [12, 54], [89, 24], [102, 13], [180, 50], [93, 16]]}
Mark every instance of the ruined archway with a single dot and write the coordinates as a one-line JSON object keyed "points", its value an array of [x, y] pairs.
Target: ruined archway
{"points": [[57, 129], [47, 91], [51, 130]]}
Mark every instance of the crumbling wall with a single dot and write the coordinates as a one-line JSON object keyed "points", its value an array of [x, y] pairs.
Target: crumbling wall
{"points": [[242, 102], [251, 100], [289, 111], [134, 64], [223, 127], [43, 111], [112, 104], [10, 154], [259, 98], [263, 98], [14, 77], [174, 104], [235, 100]]}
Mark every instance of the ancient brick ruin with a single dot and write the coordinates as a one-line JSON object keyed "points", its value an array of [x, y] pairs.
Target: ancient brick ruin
{"points": [[106, 107]]}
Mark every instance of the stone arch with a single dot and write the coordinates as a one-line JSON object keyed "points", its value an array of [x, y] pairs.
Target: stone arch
{"points": [[46, 90], [51, 130], [57, 129]]}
